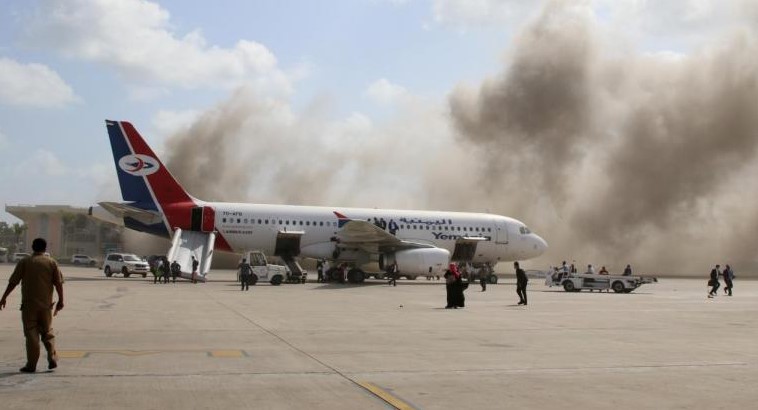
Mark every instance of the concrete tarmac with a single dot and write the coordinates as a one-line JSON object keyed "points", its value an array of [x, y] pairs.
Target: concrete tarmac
{"points": [[128, 343]]}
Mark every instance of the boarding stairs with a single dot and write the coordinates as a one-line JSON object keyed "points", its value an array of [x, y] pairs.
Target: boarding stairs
{"points": [[185, 245], [296, 273]]}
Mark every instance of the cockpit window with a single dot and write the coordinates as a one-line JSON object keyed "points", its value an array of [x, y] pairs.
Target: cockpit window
{"points": [[524, 230]]}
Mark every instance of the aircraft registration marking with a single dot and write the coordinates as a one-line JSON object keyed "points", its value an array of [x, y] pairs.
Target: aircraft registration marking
{"points": [[386, 396]]}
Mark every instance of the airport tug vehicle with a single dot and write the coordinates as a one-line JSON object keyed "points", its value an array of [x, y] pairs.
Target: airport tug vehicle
{"points": [[271, 273], [575, 282]]}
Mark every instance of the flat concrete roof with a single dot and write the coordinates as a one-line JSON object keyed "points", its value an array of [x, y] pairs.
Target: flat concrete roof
{"points": [[18, 210], [129, 343]]}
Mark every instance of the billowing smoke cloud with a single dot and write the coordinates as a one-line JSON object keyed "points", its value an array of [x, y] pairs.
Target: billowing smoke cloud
{"points": [[629, 150], [250, 148], [614, 156]]}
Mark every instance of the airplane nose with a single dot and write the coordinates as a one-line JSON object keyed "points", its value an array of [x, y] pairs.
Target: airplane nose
{"points": [[540, 245]]}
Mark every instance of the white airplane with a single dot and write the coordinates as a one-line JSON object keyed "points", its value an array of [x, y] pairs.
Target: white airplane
{"points": [[418, 242]]}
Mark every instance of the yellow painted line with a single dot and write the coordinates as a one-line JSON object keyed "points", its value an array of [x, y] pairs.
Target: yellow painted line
{"points": [[131, 353], [386, 396], [72, 354], [79, 354], [225, 353]]}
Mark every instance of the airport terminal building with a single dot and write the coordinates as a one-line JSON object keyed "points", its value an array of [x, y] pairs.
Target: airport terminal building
{"points": [[68, 230]]}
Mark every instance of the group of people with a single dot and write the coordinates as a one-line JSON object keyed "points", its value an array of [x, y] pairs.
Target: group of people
{"points": [[163, 271], [564, 268], [323, 272], [455, 286], [713, 282]]}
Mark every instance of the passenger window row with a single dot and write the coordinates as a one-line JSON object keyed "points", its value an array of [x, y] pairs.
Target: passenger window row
{"points": [[254, 221], [447, 228], [322, 223]]}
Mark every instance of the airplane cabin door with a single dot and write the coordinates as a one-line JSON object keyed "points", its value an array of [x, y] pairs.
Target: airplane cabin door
{"points": [[203, 219], [501, 232], [209, 219]]}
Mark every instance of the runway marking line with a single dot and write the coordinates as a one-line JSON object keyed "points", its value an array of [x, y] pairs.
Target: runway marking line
{"points": [[80, 354], [386, 396], [72, 354]]}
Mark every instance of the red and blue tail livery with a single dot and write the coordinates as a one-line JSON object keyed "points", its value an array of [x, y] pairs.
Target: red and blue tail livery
{"points": [[146, 184]]}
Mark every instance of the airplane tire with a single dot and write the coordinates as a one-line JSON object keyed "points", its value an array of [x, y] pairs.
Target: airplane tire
{"points": [[492, 279], [568, 286], [356, 276], [333, 274], [276, 280], [617, 286], [410, 277]]}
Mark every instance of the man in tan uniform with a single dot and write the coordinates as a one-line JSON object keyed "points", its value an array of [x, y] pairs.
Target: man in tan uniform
{"points": [[38, 275]]}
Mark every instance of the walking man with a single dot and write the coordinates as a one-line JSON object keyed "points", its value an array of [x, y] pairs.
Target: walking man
{"points": [[195, 263], [728, 277], [483, 276], [158, 270], [714, 281], [38, 275], [521, 281], [246, 271], [166, 270], [320, 270], [176, 270], [393, 275]]}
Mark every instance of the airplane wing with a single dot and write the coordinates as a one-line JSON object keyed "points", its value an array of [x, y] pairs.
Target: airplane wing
{"points": [[372, 238], [122, 210]]}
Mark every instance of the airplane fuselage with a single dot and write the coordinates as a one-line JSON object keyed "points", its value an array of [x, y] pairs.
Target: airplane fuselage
{"points": [[250, 226]]}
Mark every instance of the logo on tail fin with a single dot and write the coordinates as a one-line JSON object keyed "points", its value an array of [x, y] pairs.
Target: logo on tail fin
{"points": [[138, 165]]}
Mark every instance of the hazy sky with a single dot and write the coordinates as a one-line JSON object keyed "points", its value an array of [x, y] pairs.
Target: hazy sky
{"points": [[66, 66]]}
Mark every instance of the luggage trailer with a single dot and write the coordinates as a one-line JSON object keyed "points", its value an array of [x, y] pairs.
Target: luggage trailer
{"points": [[575, 282]]}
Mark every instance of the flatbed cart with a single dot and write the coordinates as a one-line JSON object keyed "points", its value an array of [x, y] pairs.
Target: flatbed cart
{"points": [[575, 282]]}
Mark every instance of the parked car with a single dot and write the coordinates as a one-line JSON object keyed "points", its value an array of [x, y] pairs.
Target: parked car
{"points": [[125, 263], [18, 256], [79, 259]]}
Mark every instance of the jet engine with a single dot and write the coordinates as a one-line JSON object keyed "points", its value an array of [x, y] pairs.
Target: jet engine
{"points": [[418, 261]]}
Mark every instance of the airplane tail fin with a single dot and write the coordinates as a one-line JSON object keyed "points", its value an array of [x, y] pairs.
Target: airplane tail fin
{"points": [[145, 182]]}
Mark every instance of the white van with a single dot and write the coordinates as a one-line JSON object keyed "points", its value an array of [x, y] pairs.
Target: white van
{"points": [[18, 256], [126, 264], [79, 259]]}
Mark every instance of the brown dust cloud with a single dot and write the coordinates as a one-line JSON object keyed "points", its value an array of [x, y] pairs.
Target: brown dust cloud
{"points": [[612, 154]]}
